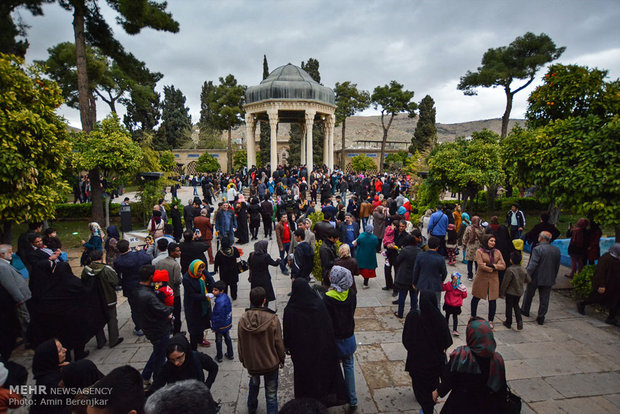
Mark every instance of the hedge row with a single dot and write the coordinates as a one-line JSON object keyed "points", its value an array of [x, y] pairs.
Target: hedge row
{"points": [[83, 210], [480, 204]]}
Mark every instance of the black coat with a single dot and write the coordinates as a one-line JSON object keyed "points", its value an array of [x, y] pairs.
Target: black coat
{"points": [[193, 250], [193, 302], [255, 215], [405, 262], [259, 273], [503, 242], [177, 225], [342, 314], [152, 314], [226, 264], [470, 393]]}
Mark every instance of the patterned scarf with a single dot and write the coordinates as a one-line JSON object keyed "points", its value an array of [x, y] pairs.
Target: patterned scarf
{"points": [[340, 279], [193, 273], [480, 343]]}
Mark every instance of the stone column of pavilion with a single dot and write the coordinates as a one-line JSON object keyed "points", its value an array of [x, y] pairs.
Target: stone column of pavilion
{"points": [[290, 95]]}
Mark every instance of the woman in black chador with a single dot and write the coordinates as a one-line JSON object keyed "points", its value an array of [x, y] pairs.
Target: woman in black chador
{"points": [[309, 336], [241, 209]]}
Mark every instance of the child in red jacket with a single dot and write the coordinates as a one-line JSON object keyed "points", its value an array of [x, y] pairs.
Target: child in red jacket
{"points": [[453, 300]]}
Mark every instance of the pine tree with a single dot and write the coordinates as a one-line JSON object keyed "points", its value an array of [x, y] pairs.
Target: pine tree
{"points": [[176, 123], [264, 143], [425, 135]]}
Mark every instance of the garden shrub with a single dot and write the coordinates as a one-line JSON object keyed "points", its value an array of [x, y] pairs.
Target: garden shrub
{"points": [[582, 281]]}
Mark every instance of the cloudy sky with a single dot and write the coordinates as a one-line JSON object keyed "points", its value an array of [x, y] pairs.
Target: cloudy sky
{"points": [[425, 44]]}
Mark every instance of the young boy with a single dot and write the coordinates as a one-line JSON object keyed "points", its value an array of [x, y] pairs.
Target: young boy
{"points": [[512, 289], [221, 320]]}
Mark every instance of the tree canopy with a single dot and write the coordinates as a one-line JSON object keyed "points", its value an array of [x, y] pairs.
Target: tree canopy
{"points": [[571, 151], [312, 67], [176, 125], [225, 103], [362, 163], [392, 99], [349, 100], [468, 164], [34, 145], [425, 134], [573, 91], [521, 59], [207, 164]]}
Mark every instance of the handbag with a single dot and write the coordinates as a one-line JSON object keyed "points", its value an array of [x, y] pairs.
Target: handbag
{"points": [[512, 403], [242, 265]]}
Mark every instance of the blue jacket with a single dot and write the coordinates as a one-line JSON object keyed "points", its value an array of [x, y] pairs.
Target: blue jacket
{"points": [[438, 224], [225, 221], [127, 267], [429, 271], [221, 316]]}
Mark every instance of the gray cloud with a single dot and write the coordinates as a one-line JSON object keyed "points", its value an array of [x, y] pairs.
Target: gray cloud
{"points": [[426, 45]]}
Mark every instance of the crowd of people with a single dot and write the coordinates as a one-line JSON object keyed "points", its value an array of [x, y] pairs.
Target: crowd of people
{"points": [[330, 228]]}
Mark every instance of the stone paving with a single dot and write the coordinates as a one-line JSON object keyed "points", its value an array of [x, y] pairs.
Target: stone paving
{"points": [[571, 364]]}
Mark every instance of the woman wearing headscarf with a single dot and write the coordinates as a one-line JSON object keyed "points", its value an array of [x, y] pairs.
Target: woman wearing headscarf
{"points": [[156, 225], [47, 365], [241, 209], [95, 242], [259, 262], [486, 283], [578, 246], [366, 245], [475, 375], [424, 220], [255, 216], [196, 303], [309, 337], [458, 217], [606, 285], [63, 307], [182, 364], [111, 252], [345, 260], [503, 242], [341, 302], [471, 243], [177, 225], [426, 337], [226, 265], [403, 282]]}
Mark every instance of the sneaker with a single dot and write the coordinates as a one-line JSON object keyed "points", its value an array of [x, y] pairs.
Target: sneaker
{"points": [[456, 333], [471, 279], [385, 288], [365, 286], [507, 325], [230, 357], [138, 332], [491, 325], [218, 359], [205, 343]]}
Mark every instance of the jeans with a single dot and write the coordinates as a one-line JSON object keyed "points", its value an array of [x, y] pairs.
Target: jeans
{"points": [[364, 222], [470, 270], [283, 254], [474, 308], [218, 344], [157, 358], [271, 392], [515, 233], [402, 295], [349, 377]]}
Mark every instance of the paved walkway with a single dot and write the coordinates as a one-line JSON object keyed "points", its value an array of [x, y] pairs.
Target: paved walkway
{"points": [[569, 365]]}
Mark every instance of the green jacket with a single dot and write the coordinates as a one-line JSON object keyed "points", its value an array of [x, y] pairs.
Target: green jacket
{"points": [[106, 279]]}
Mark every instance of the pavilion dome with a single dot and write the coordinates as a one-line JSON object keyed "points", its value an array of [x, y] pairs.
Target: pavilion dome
{"points": [[289, 82]]}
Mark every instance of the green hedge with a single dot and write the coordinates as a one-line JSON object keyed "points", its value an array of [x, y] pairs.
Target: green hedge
{"points": [[83, 210], [582, 281]]}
